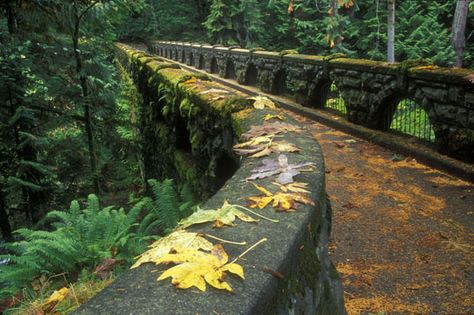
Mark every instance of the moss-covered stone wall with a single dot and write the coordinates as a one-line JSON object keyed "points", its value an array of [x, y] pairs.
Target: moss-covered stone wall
{"points": [[185, 130], [371, 89]]}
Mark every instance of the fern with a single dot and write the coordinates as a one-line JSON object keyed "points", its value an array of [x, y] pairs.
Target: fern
{"points": [[82, 238]]}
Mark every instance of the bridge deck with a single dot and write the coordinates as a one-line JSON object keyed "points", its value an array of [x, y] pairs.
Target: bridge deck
{"points": [[402, 232]]}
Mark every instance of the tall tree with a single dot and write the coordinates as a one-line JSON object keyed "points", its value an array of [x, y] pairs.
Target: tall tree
{"points": [[459, 29], [391, 31]]}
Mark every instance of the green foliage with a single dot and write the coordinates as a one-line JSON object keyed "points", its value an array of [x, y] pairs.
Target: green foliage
{"points": [[421, 35], [233, 22], [81, 238]]}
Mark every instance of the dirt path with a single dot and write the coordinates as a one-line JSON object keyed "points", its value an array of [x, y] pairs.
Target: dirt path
{"points": [[403, 233]]}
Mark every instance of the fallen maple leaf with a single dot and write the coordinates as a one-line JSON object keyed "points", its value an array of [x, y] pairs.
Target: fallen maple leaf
{"points": [[54, 299], [163, 246], [225, 215], [293, 187], [279, 167], [263, 146], [281, 201], [269, 129], [274, 116], [260, 102], [214, 91], [195, 268]]}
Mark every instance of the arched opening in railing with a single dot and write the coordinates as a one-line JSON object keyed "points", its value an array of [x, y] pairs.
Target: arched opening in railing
{"points": [[226, 167], [183, 56], [230, 70], [191, 60], [201, 62], [214, 67], [334, 100], [175, 56], [410, 118], [279, 83], [251, 75]]}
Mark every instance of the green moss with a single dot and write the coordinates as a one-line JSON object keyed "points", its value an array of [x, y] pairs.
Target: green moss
{"points": [[187, 109], [156, 65], [198, 76], [334, 56], [187, 170], [288, 52]]}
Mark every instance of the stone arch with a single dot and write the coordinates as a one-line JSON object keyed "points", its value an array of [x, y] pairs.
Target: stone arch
{"points": [[320, 94], [331, 97], [214, 68], [411, 118], [226, 166], [251, 75], [230, 70], [201, 62], [279, 82]]}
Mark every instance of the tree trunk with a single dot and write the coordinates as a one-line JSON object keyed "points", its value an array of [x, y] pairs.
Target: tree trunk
{"points": [[333, 6], [459, 29], [87, 107], [11, 16], [5, 226], [391, 31]]}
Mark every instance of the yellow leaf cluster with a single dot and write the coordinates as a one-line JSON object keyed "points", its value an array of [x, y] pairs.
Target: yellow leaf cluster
{"points": [[163, 246], [196, 268], [285, 200], [263, 146]]}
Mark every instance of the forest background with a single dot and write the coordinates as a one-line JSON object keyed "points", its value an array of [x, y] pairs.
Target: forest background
{"points": [[66, 125], [69, 114]]}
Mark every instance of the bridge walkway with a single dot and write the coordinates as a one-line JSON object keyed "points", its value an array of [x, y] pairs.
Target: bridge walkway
{"points": [[403, 233]]}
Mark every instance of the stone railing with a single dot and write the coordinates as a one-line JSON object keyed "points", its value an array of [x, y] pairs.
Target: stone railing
{"points": [[371, 89], [290, 273]]}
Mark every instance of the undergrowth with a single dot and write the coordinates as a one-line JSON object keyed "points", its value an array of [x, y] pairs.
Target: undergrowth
{"points": [[81, 238]]}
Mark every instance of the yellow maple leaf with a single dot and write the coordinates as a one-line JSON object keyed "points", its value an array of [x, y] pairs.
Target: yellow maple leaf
{"points": [[195, 268], [293, 187], [274, 116], [56, 297], [163, 246], [260, 102], [282, 201], [264, 145]]}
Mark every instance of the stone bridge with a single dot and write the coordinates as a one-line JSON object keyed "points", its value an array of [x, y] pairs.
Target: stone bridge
{"points": [[188, 126], [371, 89]]}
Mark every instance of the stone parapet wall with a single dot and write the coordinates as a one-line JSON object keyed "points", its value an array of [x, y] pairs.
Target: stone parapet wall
{"points": [[371, 89], [291, 272]]}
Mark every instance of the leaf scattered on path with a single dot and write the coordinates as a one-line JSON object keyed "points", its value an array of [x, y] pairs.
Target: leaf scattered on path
{"points": [[279, 167]]}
